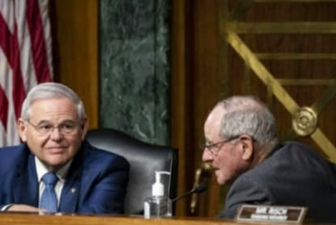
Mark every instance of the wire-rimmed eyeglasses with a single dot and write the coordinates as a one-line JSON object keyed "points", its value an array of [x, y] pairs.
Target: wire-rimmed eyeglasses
{"points": [[67, 127], [215, 147]]}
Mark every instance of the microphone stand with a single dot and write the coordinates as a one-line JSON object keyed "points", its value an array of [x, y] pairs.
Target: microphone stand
{"points": [[197, 189]]}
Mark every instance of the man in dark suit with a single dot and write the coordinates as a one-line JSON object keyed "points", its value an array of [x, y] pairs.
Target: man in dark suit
{"points": [[242, 147], [55, 169]]}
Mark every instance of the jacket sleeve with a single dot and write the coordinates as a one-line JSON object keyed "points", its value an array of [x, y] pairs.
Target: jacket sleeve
{"points": [[107, 191], [244, 191]]}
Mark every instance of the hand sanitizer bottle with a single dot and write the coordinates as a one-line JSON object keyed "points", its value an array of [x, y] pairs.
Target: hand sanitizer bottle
{"points": [[158, 205]]}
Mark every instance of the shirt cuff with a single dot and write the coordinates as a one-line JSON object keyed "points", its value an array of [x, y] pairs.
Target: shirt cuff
{"points": [[3, 209]]}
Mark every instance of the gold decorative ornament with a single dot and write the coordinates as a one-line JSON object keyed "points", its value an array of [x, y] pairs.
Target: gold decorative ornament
{"points": [[202, 175], [304, 121]]}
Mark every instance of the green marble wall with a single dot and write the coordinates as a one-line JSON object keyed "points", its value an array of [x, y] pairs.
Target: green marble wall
{"points": [[135, 68]]}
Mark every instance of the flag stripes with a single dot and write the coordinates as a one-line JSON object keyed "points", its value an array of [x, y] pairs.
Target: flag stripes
{"points": [[25, 58], [39, 51]]}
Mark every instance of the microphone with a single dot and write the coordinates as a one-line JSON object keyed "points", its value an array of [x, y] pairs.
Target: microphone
{"points": [[200, 188]]}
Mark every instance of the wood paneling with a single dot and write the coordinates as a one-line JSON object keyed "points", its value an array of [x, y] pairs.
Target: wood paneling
{"points": [[180, 103], [75, 24]]}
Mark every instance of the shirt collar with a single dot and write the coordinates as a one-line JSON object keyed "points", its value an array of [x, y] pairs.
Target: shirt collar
{"points": [[41, 169]]}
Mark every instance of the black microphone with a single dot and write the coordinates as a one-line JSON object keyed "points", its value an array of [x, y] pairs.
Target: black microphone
{"points": [[200, 188]]}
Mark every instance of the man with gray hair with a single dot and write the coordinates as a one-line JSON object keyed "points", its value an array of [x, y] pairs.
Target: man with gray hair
{"points": [[243, 150], [55, 169]]}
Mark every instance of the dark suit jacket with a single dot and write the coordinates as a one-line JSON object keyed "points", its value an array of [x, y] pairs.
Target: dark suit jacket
{"points": [[293, 175], [96, 181]]}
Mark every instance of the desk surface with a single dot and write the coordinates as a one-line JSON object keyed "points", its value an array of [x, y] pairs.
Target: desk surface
{"points": [[28, 219]]}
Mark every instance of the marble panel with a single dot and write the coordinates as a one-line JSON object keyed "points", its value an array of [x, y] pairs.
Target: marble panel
{"points": [[135, 68]]}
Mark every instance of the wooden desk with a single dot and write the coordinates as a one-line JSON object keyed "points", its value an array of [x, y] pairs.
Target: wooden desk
{"points": [[29, 219]]}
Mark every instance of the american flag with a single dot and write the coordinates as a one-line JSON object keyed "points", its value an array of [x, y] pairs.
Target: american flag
{"points": [[25, 58]]}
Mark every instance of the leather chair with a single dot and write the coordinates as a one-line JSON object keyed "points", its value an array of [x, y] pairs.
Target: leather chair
{"points": [[144, 160]]}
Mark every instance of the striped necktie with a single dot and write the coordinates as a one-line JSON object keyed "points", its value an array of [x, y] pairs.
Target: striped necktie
{"points": [[48, 199]]}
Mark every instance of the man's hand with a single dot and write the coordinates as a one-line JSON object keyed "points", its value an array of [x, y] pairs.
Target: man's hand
{"points": [[23, 208]]}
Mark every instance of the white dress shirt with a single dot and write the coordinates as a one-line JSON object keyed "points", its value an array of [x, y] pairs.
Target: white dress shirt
{"points": [[41, 170]]}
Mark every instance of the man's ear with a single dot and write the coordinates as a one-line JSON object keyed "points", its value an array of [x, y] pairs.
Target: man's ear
{"points": [[85, 127], [22, 128], [247, 147]]}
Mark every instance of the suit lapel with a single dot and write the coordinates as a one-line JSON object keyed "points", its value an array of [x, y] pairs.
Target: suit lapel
{"points": [[69, 197], [70, 192], [25, 183]]}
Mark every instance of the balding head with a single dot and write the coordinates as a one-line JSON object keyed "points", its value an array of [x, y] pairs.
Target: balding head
{"points": [[248, 115]]}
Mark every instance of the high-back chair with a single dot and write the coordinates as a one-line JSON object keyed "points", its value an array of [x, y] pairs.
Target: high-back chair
{"points": [[144, 160]]}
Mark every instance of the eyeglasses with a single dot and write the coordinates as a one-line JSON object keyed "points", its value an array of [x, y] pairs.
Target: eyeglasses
{"points": [[215, 147], [68, 127]]}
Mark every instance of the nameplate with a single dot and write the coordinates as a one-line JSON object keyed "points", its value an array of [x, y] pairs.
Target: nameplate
{"points": [[273, 214]]}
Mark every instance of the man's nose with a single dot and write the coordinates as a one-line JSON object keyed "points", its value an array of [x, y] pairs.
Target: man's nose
{"points": [[56, 133], [206, 155]]}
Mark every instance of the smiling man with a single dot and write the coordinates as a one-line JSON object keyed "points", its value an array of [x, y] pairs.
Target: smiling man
{"points": [[243, 149], [55, 169]]}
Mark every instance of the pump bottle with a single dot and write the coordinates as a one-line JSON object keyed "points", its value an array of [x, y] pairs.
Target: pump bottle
{"points": [[158, 205]]}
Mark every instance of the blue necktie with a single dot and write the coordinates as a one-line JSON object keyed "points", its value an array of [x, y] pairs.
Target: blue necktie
{"points": [[48, 199]]}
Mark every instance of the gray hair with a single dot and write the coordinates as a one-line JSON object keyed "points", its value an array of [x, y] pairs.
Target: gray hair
{"points": [[247, 115], [51, 90]]}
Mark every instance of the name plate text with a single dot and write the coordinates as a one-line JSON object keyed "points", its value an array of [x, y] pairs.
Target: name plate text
{"points": [[264, 213]]}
